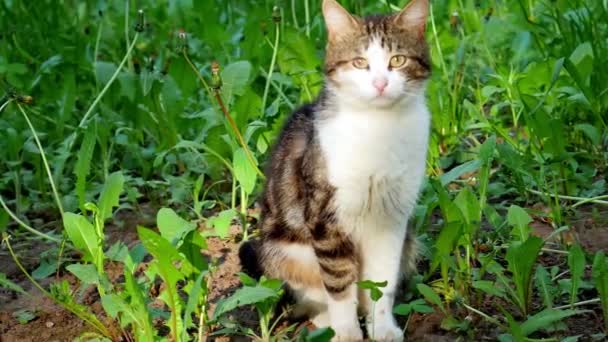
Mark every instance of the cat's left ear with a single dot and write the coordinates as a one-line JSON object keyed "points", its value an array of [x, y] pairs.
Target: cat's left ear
{"points": [[414, 16]]}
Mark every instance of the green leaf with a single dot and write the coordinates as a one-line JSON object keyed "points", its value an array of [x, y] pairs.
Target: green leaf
{"points": [[158, 247], [582, 58], [165, 258], [368, 284], [221, 222], [8, 284], [244, 172], [139, 308], [545, 288], [444, 245], [235, 78], [590, 131], [515, 328], [128, 85], [488, 91], [521, 259], [544, 319], [171, 226], [418, 305], [85, 272], [489, 287], [82, 234], [246, 280], [104, 71], [373, 287], [600, 279], [519, 219], [110, 194], [24, 316], [246, 107], [83, 164], [4, 219], [402, 309], [451, 213], [192, 246], [244, 296], [318, 335], [261, 144], [557, 70], [576, 262], [468, 204], [455, 173], [486, 151], [430, 295], [112, 304], [580, 66], [193, 300], [299, 59], [45, 269], [17, 68], [62, 293], [273, 284]]}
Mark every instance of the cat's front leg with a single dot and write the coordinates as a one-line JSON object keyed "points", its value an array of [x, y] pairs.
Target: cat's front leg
{"points": [[338, 261], [381, 254]]}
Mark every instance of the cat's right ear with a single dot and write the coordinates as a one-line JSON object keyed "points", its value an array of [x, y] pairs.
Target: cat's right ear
{"points": [[337, 19]]}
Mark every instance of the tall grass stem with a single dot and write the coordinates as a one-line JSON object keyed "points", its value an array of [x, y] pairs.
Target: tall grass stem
{"points": [[273, 61], [44, 160], [25, 225]]}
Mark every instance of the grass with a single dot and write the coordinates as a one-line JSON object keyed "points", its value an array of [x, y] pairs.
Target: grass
{"points": [[107, 108]]}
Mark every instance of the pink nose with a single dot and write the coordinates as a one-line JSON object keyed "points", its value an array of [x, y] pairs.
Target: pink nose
{"points": [[380, 84]]}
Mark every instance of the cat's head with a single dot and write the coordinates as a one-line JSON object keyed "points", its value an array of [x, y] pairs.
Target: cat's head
{"points": [[379, 60]]}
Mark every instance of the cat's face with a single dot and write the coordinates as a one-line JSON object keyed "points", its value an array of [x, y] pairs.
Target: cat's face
{"points": [[380, 60]]}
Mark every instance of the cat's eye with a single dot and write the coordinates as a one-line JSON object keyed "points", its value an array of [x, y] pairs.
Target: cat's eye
{"points": [[397, 61], [360, 63]]}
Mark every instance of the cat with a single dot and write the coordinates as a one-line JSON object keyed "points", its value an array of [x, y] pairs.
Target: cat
{"points": [[345, 173]]}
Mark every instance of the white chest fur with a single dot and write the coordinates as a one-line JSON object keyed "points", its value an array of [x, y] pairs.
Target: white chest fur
{"points": [[376, 161]]}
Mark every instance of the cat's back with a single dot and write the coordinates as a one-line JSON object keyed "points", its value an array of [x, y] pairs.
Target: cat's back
{"points": [[286, 167]]}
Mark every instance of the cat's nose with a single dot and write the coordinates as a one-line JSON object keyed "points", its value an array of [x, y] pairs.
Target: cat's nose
{"points": [[380, 83]]}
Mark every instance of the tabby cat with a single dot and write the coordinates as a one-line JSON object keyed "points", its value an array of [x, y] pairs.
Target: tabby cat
{"points": [[345, 173]]}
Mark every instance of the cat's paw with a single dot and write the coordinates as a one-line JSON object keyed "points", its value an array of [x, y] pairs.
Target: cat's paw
{"points": [[347, 333], [385, 332]]}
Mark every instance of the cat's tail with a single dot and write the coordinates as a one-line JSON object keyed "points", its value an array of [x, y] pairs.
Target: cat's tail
{"points": [[410, 253], [250, 258]]}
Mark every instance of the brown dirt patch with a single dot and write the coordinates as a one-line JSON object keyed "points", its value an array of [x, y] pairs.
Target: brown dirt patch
{"points": [[225, 281], [52, 322], [590, 225]]}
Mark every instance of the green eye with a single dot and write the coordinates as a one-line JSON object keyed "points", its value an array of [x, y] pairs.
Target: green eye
{"points": [[360, 63], [397, 61]]}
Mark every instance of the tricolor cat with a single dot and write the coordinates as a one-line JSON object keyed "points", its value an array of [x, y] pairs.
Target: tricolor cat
{"points": [[346, 171]]}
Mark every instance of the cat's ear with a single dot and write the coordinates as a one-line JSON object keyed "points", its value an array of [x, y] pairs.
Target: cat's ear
{"points": [[337, 19], [414, 16]]}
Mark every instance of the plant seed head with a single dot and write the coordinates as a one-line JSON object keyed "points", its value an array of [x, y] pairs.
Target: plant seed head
{"points": [[215, 67], [454, 20], [25, 99], [264, 27], [182, 41], [139, 27], [276, 14], [216, 79]]}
